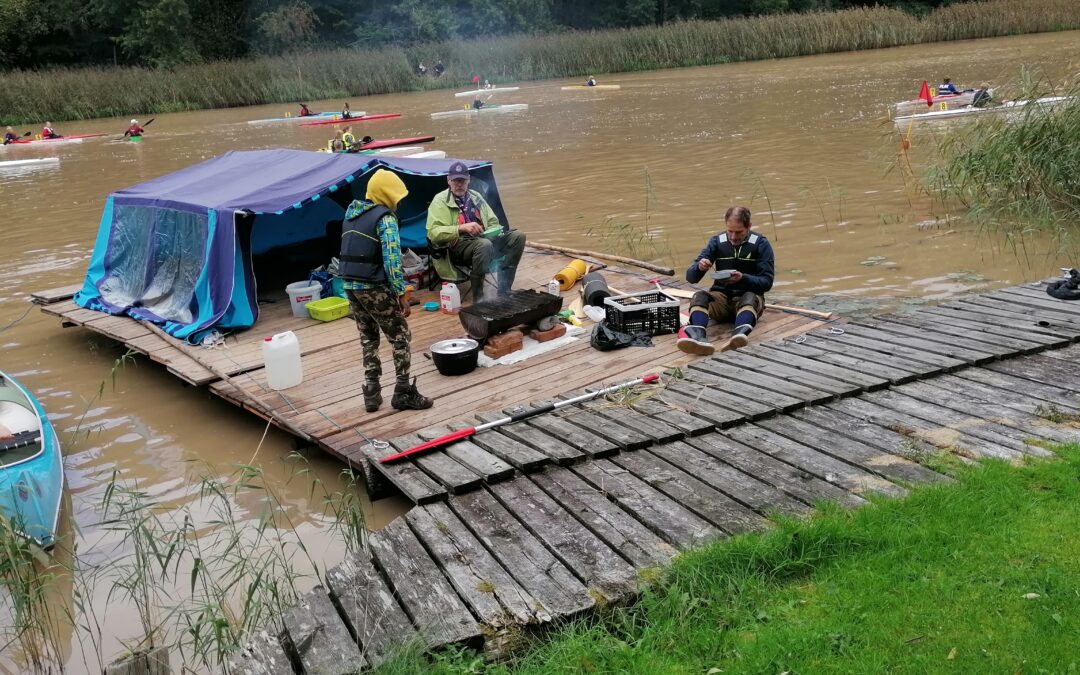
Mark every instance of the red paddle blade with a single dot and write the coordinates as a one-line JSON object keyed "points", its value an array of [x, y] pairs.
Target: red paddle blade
{"points": [[438, 442]]}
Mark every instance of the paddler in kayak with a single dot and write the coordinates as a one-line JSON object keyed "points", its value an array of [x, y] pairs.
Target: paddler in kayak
{"points": [[476, 102], [304, 112], [48, 132], [591, 82], [947, 88], [744, 266], [346, 114], [133, 130], [10, 136], [347, 137]]}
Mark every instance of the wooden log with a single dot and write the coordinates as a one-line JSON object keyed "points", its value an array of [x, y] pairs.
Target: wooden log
{"points": [[607, 520], [440, 466], [590, 558], [658, 512], [320, 637], [578, 253], [435, 608], [552, 585], [486, 587], [368, 606], [262, 655]]}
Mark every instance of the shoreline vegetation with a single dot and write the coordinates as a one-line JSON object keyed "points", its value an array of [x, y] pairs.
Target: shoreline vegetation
{"points": [[92, 92]]}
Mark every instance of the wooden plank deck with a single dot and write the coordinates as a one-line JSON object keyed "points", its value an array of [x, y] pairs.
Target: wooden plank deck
{"points": [[853, 413]]}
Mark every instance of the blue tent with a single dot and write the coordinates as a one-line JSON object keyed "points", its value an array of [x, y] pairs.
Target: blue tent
{"points": [[188, 250]]}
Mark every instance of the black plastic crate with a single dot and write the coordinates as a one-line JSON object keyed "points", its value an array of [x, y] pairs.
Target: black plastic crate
{"points": [[649, 312]]}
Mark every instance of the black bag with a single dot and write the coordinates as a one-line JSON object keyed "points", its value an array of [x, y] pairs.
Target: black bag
{"points": [[1065, 289], [605, 339]]}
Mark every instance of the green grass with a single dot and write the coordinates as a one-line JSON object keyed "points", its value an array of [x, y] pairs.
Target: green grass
{"points": [[82, 93], [982, 576]]}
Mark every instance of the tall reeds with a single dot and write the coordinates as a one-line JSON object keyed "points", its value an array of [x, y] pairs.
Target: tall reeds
{"points": [[69, 94]]}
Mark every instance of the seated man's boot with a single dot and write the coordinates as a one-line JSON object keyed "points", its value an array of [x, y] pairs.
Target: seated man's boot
{"points": [[406, 397], [372, 396], [692, 340], [740, 339]]}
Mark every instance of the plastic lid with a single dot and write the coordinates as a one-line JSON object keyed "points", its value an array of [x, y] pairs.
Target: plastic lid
{"points": [[268, 339]]}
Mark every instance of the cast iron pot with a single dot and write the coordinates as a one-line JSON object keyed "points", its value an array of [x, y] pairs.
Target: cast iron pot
{"points": [[455, 357]]}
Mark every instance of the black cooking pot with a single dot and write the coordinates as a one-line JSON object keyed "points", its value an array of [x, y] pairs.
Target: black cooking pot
{"points": [[455, 357]]}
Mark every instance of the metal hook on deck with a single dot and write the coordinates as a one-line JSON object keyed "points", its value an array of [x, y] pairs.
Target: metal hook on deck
{"points": [[836, 330], [377, 444], [800, 339]]}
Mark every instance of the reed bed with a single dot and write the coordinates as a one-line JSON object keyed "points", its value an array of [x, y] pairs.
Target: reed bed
{"points": [[83, 93]]}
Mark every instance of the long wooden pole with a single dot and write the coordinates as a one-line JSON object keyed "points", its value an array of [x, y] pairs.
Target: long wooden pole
{"points": [[667, 271]]}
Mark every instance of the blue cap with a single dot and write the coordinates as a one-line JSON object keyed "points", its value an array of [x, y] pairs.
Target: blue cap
{"points": [[458, 170]]}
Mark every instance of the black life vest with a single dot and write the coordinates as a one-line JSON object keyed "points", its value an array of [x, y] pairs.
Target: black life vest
{"points": [[361, 249]]}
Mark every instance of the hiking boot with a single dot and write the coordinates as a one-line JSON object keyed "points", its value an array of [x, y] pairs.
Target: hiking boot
{"points": [[406, 397], [692, 340], [372, 396], [740, 339]]}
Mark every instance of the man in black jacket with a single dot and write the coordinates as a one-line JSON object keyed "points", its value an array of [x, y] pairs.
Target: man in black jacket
{"points": [[744, 273]]}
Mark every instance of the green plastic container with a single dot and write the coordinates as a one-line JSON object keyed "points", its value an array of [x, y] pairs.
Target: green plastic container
{"points": [[328, 309]]}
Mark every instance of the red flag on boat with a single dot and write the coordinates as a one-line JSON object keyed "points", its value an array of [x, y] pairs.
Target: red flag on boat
{"points": [[925, 95], [476, 79]]}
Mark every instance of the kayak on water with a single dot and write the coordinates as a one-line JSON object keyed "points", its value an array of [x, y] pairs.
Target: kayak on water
{"points": [[1013, 107], [135, 139], [509, 107], [296, 118], [944, 102], [493, 90], [359, 118], [390, 143], [576, 87], [41, 161], [63, 139]]}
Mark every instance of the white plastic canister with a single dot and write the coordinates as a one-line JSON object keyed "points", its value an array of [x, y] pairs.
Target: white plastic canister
{"points": [[449, 298], [281, 358], [301, 293]]}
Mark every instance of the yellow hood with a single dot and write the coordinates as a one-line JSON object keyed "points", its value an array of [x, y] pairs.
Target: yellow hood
{"points": [[386, 188]]}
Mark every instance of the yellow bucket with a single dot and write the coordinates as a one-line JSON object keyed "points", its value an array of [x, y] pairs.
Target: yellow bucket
{"points": [[570, 275]]}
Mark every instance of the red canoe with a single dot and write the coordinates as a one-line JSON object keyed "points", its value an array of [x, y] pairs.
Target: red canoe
{"points": [[393, 142], [337, 120], [74, 137]]}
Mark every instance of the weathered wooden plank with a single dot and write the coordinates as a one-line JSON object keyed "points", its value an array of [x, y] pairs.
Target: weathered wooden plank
{"points": [[766, 352], [657, 430], [865, 354], [827, 441], [320, 637], [826, 467], [681, 420], [403, 474], [856, 428], [866, 363], [558, 591], [742, 487], [744, 392], [486, 587], [1037, 298], [692, 493], [560, 452], [369, 607], [659, 513], [49, 296], [468, 454], [1041, 369], [792, 374], [700, 386], [520, 456], [745, 378], [589, 443], [1011, 397], [606, 519], [976, 426], [625, 438], [1040, 318], [1070, 353], [592, 560], [1016, 340], [697, 401], [428, 598], [978, 315], [937, 435], [804, 486], [262, 655], [1049, 393], [955, 347], [455, 477], [893, 346]]}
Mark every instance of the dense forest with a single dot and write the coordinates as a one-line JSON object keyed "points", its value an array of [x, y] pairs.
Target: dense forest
{"points": [[173, 32]]}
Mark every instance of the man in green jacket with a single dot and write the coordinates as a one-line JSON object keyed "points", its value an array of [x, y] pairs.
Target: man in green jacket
{"points": [[465, 233]]}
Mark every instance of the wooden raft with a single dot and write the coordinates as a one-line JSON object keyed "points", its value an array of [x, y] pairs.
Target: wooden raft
{"points": [[627, 485]]}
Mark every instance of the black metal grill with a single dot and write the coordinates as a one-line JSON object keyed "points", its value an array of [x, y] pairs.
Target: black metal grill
{"points": [[501, 313]]}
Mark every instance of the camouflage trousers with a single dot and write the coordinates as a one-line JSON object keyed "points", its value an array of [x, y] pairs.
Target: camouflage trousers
{"points": [[377, 309]]}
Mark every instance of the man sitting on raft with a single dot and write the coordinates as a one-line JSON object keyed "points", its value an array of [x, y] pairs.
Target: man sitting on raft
{"points": [[744, 266]]}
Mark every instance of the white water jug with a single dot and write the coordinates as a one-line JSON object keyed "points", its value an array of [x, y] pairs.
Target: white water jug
{"points": [[281, 358], [449, 298]]}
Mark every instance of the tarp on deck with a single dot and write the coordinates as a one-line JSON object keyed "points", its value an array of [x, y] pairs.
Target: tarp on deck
{"points": [[184, 250]]}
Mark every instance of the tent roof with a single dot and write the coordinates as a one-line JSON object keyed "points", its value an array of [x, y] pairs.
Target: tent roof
{"points": [[268, 180]]}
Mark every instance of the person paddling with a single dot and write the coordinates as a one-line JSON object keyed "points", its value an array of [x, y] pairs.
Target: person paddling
{"points": [[947, 88], [10, 136], [304, 112], [591, 82], [48, 132], [346, 114], [133, 130], [348, 138]]}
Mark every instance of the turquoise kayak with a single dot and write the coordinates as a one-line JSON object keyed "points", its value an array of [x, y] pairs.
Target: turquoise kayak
{"points": [[305, 118], [31, 466]]}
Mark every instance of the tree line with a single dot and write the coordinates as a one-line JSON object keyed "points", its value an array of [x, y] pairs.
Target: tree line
{"points": [[165, 33]]}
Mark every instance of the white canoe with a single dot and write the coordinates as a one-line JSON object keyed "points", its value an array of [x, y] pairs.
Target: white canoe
{"points": [[428, 154], [399, 150], [583, 87], [305, 118], [493, 90], [511, 107], [1013, 107], [41, 161], [951, 102]]}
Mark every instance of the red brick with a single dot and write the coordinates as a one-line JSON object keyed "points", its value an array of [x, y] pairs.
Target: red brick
{"points": [[544, 335], [511, 337]]}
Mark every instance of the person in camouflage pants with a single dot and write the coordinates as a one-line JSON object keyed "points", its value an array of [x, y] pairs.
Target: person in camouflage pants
{"points": [[378, 309]]}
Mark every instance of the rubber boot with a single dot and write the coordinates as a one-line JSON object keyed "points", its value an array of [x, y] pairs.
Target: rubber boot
{"points": [[406, 397], [372, 396], [740, 339], [692, 340]]}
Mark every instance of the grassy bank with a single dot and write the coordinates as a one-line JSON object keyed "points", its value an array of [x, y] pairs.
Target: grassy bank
{"points": [[68, 94], [980, 576], [1016, 176]]}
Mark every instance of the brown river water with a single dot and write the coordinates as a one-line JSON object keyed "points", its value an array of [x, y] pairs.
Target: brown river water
{"points": [[804, 142]]}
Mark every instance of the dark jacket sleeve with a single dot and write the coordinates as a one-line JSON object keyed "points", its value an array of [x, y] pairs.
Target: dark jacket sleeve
{"points": [[761, 281], [693, 274]]}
